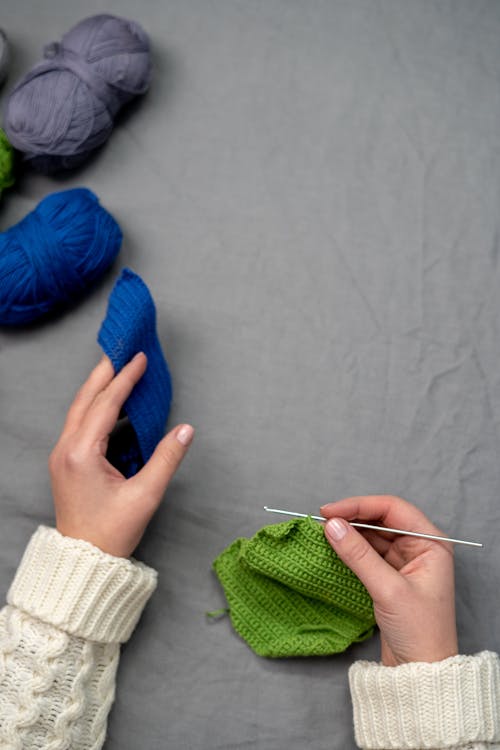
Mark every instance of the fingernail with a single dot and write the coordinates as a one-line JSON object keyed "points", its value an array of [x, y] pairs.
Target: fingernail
{"points": [[185, 434], [136, 356], [336, 529]]}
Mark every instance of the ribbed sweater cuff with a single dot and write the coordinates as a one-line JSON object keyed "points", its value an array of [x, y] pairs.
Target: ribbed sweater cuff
{"points": [[76, 587], [445, 704]]}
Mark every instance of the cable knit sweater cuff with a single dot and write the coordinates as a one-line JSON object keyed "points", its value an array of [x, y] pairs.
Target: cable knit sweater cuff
{"points": [[446, 704], [76, 587]]}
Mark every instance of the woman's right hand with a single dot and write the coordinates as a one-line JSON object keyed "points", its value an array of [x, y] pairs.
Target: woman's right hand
{"points": [[410, 579]]}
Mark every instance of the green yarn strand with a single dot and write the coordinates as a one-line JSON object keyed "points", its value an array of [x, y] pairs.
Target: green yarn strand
{"points": [[216, 613]]}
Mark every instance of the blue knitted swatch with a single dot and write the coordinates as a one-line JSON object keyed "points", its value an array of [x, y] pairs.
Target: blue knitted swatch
{"points": [[130, 327]]}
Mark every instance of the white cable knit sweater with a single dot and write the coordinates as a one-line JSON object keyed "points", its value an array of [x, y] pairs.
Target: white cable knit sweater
{"points": [[71, 605], [69, 608]]}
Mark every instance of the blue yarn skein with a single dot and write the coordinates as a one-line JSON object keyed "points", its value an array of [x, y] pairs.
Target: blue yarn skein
{"points": [[54, 254]]}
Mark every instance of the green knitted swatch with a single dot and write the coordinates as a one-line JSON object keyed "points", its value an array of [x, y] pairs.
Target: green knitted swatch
{"points": [[289, 594]]}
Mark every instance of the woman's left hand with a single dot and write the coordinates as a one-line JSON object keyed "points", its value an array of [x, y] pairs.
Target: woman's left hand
{"points": [[93, 500]]}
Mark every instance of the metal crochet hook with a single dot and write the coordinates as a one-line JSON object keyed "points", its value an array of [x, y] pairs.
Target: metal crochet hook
{"points": [[377, 528]]}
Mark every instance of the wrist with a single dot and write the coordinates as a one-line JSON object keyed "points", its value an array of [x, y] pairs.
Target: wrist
{"points": [[394, 656], [110, 543], [429, 656]]}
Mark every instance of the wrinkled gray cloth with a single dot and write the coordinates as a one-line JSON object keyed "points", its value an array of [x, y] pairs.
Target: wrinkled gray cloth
{"points": [[312, 193], [4, 56]]}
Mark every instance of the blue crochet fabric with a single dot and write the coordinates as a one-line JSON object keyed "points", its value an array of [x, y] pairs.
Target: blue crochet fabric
{"points": [[130, 327]]}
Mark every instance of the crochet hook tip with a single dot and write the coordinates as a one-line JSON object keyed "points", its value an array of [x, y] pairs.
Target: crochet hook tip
{"points": [[377, 528]]}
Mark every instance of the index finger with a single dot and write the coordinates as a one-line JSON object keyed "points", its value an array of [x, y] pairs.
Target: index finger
{"points": [[101, 417], [100, 377], [386, 510]]}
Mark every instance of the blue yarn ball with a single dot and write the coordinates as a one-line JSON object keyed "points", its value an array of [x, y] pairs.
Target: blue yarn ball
{"points": [[54, 254]]}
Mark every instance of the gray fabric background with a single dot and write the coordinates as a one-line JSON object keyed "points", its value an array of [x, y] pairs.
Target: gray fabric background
{"points": [[311, 191]]}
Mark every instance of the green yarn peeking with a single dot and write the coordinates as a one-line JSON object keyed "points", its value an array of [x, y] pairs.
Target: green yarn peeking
{"points": [[289, 594], [6, 162]]}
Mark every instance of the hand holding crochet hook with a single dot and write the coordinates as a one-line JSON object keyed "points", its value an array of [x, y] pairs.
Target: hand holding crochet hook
{"points": [[410, 579]]}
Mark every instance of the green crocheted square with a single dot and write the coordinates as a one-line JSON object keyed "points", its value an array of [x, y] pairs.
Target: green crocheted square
{"points": [[289, 594]]}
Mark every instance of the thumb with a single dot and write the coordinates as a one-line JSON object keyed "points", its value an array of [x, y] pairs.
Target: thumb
{"points": [[356, 552], [155, 476]]}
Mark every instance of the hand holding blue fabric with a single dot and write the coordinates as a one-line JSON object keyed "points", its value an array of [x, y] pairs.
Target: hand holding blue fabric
{"points": [[93, 500]]}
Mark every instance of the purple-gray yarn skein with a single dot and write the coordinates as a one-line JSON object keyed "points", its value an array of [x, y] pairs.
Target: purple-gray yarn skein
{"points": [[64, 108]]}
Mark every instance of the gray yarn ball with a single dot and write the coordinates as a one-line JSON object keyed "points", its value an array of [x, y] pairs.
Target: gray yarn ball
{"points": [[64, 108], [4, 56]]}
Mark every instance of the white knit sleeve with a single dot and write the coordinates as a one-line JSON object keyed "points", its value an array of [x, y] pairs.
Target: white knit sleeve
{"points": [[452, 704], [69, 608]]}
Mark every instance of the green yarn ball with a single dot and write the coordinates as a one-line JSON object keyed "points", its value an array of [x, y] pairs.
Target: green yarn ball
{"points": [[6, 162], [289, 594]]}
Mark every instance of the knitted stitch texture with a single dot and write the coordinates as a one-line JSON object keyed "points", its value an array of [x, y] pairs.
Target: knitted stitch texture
{"points": [[130, 327], [76, 587], [454, 703], [70, 605], [289, 594]]}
